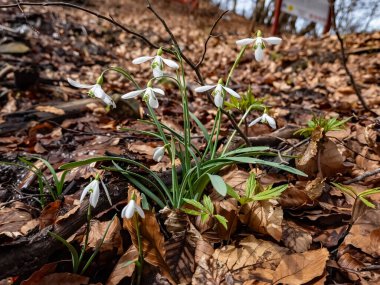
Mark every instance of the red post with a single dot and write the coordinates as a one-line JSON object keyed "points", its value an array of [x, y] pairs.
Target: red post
{"points": [[277, 11], [327, 26]]}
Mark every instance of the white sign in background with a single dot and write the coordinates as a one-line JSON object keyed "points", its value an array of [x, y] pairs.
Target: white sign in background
{"points": [[313, 10]]}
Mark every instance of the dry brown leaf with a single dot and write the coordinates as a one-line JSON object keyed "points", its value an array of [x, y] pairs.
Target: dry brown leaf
{"points": [[365, 234], [124, 267], [37, 275], [296, 238], [50, 109], [264, 217], [180, 248], [111, 241], [64, 278], [12, 220], [312, 148], [153, 242], [249, 260], [314, 188], [300, 268], [49, 214]]}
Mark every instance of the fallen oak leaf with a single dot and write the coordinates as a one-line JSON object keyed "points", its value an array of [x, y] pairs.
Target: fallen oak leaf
{"points": [[124, 267]]}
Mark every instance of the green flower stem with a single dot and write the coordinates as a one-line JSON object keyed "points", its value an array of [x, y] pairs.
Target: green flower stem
{"points": [[235, 131], [140, 261], [157, 123], [236, 63], [218, 122], [87, 236], [209, 144]]}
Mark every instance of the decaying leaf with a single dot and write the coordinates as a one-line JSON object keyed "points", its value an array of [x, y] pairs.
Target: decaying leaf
{"points": [[312, 148], [296, 238], [153, 242], [300, 268], [180, 248], [111, 241], [250, 259], [13, 219], [124, 267], [49, 214], [264, 217]]}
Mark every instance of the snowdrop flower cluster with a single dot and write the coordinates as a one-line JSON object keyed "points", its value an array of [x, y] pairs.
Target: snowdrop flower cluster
{"points": [[157, 63], [159, 153], [95, 90], [218, 92], [129, 211], [149, 95], [259, 44], [94, 189], [264, 118]]}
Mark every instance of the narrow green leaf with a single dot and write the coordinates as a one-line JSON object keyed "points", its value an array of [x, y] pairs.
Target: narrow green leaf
{"points": [[367, 203], [74, 253], [232, 193], [191, 212], [196, 204], [201, 126]]}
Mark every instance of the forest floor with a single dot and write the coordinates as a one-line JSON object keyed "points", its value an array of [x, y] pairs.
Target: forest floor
{"points": [[313, 234]]}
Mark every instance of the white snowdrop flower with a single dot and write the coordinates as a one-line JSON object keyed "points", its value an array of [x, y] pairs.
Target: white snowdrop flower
{"points": [[149, 95], [218, 92], [157, 63], [259, 44], [94, 190], [131, 208], [95, 90], [159, 153], [264, 118]]}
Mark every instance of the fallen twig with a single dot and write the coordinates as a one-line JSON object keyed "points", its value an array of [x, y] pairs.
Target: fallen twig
{"points": [[363, 176]]}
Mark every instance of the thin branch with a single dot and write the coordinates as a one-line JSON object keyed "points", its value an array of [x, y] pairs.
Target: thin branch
{"points": [[210, 35], [363, 176], [344, 61]]}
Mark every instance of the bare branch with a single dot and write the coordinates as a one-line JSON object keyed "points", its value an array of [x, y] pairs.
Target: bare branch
{"points": [[210, 35], [344, 61]]}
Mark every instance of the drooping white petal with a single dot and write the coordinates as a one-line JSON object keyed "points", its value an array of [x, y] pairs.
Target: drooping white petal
{"points": [[218, 100], [245, 42], [85, 191], [153, 102], [107, 193], [98, 92], [159, 153], [157, 72], [109, 101], [133, 94], [142, 59], [78, 84], [94, 196], [140, 211], [129, 210], [231, 92], [170, 63], [159, 91], [271, 122], [259, 53], [204, 88], [273, 40], [255, 121]]}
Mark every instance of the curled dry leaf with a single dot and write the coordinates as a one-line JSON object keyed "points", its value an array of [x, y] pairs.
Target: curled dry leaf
{"points": [[111, 241], [312, 148], [153, 242], [124, 267], [264, 217], [300, 268]]}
